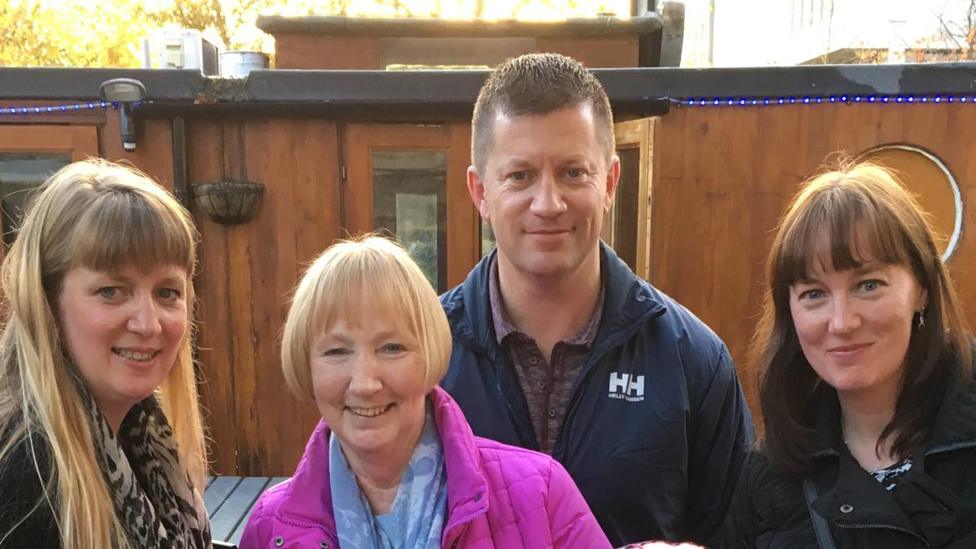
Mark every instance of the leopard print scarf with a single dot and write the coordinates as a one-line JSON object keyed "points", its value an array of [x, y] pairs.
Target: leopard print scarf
{"points": [[154, 499]]}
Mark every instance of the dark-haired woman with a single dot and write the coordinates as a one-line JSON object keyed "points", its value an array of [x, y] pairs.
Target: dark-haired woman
{"points": [[866, 380]]}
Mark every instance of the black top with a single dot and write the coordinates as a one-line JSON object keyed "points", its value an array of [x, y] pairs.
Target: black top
{"points": [[26, 516], [933, 506]]}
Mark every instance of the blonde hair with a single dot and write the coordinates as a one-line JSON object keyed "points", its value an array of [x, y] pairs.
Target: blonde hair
{"points": [[102, 216], [368, 269]]}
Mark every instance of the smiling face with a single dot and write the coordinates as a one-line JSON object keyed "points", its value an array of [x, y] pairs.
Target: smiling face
{"points": [[123, 331], [368, 380], [546, 185], [854, 325]]}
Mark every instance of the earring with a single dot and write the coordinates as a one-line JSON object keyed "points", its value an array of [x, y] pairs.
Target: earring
{"points": [[921, 317]]}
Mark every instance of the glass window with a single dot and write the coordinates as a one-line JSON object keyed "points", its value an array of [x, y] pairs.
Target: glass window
{"points": [[20, 174], [409, 200]]}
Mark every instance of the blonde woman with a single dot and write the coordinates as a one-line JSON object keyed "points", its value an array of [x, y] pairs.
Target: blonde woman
{"points": [[393, 463], [101, 442]]}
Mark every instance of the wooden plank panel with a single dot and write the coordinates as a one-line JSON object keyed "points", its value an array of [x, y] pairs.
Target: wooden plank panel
{"points": [[463, 220], [238, 504], [318, 211], [357, 190], [311, 152], [216, 358], [955, 150], [315, 214], [266, 163], [300, 161], [241, 289]]}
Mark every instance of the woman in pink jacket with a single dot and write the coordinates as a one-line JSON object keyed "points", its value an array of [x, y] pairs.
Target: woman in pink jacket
{"points": [[393, 463]]}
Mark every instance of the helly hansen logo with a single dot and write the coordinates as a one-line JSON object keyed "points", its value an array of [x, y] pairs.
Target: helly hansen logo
{"points": [[627, 387]]}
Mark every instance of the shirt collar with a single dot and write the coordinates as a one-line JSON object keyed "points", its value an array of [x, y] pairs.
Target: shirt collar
{"points": [[504, 326]]}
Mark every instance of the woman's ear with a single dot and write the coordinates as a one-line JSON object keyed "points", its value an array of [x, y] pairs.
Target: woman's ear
{"points": [[923, 300]]}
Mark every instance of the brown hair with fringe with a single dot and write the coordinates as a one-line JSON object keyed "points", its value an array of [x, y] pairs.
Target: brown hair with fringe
{"points": [[858, 205]]}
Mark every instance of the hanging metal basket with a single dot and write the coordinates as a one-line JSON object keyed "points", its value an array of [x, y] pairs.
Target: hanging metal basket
{"points": [[229, 202]]}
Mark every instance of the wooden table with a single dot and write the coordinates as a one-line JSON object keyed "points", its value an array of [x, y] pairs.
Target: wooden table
{"points": [[229, 501]]}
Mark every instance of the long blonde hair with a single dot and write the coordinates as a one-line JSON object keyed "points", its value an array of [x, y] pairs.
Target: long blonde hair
{"points": [[103, 216]]}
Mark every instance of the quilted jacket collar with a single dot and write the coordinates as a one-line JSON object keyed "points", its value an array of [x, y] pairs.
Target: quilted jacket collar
{"points": [[310, 501], [627, 302]]}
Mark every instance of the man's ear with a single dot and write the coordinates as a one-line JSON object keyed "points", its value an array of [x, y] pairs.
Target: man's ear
{"points": [[476, 188], [613, 177]]}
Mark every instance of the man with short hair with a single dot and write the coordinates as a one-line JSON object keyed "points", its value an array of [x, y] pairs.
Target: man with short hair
{"points": [[559, 347]]}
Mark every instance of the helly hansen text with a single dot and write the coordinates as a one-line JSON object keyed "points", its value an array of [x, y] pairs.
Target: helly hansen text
{"points": [[627, 387]]}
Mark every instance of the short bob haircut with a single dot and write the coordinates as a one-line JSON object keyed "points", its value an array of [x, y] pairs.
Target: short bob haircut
{"points": [[856, 213], [105, 217], [369, 275]]}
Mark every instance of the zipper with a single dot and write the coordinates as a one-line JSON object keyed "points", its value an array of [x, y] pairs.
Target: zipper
{"points": [[589, 367], [462, 525], [574, 404], [882, 527]]}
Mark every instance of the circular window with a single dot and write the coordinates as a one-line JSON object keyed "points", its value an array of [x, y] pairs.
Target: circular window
{"points": [[933, 185]]}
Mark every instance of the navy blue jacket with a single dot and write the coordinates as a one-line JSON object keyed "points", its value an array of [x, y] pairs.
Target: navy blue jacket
{"points": [[657, 428]]}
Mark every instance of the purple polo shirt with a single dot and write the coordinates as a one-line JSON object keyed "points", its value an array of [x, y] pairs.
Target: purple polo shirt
{"points": [[547, 386]]}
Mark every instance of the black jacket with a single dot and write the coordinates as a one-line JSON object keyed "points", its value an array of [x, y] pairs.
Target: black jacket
{"points": [[657, 428], [26, 517], [933, 505]]}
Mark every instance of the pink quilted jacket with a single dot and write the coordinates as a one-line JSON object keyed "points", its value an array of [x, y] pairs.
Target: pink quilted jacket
{"points": [[498, 496]]}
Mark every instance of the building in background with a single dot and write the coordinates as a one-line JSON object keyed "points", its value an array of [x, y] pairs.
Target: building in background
{"points": [[724, 33]]}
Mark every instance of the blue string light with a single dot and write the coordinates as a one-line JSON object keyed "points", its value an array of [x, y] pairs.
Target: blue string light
{"points": [[681, 102], [749, 101], [50, 109]]}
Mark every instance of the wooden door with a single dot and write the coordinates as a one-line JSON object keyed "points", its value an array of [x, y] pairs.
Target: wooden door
{"points": [[409, 180], [627, 226]]}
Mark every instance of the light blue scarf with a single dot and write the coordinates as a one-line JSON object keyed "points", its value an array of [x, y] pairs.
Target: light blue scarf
{"points": [[417, 517]]}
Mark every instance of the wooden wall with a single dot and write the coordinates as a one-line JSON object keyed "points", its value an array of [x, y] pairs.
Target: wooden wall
{"points": [[247, 272], [720, 180], [723, 176]]}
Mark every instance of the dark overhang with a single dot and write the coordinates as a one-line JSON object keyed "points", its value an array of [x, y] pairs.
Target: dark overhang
{"points": [[30, 83], [633, 92], [445, 28]]}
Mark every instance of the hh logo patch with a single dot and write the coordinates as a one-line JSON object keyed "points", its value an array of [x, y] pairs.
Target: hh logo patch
{"points": [[627, 387]]}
